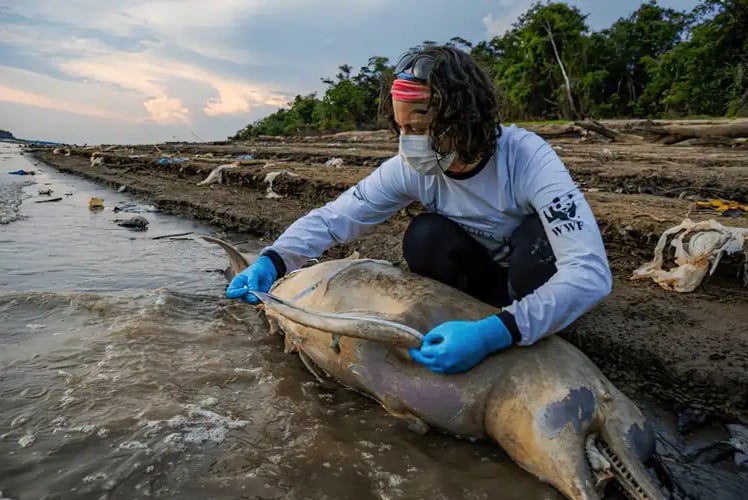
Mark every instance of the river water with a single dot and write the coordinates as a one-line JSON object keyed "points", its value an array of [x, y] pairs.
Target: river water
{"points": [[124, 373]]}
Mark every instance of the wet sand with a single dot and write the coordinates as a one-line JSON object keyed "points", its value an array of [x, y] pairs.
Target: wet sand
{"points": [[684, 350]]}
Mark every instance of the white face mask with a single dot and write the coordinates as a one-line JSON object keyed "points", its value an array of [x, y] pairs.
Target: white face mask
{"points": [[416, 151]]}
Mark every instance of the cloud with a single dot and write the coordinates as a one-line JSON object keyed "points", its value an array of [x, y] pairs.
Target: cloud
{"points": [[175, 66], [10, 94], [97, 48], [497, 23], [166, 110], [80, 97], [150, 77]]}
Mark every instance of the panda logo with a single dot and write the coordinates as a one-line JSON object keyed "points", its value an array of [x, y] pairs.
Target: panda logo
{"points": [[562, 208]]}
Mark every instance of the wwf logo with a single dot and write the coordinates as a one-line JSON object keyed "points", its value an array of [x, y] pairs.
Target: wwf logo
{"points": [[561, 215]]}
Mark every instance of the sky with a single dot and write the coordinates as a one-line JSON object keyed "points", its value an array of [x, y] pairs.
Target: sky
{"points": [[135, 71]]}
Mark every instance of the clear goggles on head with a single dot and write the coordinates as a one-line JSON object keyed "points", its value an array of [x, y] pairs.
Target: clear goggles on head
{"points": [[413, 65]]}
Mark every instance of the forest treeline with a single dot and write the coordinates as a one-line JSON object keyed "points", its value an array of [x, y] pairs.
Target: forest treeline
{"points": [[655, 63]]}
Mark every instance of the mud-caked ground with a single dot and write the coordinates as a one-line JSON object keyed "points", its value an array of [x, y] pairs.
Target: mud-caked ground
{"points": [[687, 350]]}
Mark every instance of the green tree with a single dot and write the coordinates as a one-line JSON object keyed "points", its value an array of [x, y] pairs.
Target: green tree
{"points": [[544, 44], [626, 51], [706, 72], [549, 64]]}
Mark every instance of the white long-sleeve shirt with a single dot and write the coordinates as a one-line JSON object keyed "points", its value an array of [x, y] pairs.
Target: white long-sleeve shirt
{"points": [[524, 176]]}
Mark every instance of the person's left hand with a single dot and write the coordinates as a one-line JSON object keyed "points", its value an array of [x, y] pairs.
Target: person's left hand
{"points": [[457, 346]]}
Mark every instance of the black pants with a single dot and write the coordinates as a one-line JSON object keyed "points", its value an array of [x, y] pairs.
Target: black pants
{"points": [[439, 248]]}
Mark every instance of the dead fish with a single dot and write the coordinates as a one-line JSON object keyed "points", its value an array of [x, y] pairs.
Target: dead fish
{"points": [[547, 406]]}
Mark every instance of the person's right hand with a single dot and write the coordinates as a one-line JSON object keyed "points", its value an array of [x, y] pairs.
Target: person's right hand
{"points": [[258, 277]]}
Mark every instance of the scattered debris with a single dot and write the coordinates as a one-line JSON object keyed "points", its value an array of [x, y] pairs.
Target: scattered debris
{"points": [[22, 172], [217, 174], [172, 236], [270, 177], [96, 159], [334, 162], [122, 189], [135, 208], [43, 192], [49, 200], [138, 222], [724, 207], [165, 160], [95, 203], [245, 158], [707, 242], [739, 441]]}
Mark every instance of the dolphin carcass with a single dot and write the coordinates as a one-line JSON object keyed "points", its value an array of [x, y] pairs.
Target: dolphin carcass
{"points": [[547, 406]]}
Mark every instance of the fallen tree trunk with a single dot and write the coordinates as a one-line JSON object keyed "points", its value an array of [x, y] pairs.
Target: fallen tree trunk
{"points": [[716, 133], [673, 134], [570, 132], [732, 130], [613, 135]]}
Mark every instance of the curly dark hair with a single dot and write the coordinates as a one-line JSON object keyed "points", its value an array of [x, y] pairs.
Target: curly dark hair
{"points": [[464, 102]]}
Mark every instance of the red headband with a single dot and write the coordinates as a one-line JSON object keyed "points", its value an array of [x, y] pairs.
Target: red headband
{"points": [[405, 90]]}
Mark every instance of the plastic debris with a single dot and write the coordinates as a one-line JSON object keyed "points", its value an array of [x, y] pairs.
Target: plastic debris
{"points": [[165, 160], [696, 255], [135, 208], [22, 172], [244, 158], [724, 207]]}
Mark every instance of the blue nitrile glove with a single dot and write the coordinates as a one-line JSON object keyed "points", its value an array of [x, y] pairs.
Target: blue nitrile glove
{"points": [[457, 346], [258, 277]]}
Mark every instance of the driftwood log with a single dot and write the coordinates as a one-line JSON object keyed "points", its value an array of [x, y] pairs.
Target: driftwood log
{"points": [[698, 133]]}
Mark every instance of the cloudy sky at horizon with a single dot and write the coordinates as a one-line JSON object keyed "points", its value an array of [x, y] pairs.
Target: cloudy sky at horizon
{"points": [[139, 71]]}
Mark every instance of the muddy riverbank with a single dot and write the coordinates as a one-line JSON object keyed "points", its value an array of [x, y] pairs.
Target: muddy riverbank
{"points": [[686, 350]]}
